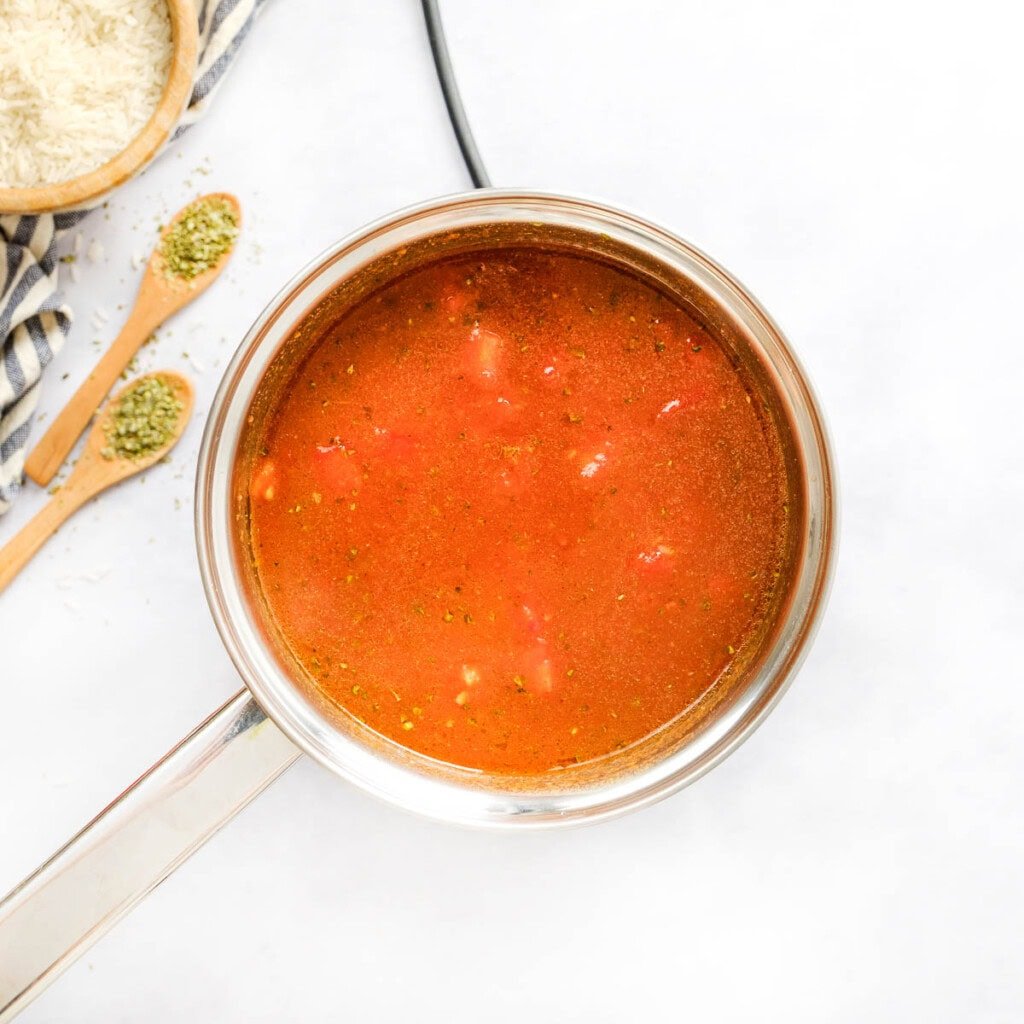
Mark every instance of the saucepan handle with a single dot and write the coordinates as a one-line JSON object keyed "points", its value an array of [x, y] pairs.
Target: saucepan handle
{"points": [[58, 912]]}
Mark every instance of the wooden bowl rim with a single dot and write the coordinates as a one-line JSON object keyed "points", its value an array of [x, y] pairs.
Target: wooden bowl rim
{"points": [[91, 186]]}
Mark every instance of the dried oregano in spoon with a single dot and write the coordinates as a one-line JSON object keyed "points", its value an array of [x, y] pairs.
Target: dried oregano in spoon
{"points": [[143, 420], [200, 237]]}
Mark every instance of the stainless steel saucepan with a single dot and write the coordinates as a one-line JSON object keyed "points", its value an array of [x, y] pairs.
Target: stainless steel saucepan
{"points": [[58, 912]]}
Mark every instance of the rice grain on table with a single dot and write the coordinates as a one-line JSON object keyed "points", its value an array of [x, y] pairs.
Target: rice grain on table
{"points": [[78, 81]]}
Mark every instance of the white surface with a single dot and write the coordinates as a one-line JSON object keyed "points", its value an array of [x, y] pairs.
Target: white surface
{"points": [[859, 167]]}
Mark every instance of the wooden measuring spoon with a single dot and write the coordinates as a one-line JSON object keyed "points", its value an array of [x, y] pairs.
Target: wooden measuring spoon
{"points": [[92, 474], [160, 295]]}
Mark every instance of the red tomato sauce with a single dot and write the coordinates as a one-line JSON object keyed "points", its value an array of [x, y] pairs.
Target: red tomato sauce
{"points": [[518, 510]]}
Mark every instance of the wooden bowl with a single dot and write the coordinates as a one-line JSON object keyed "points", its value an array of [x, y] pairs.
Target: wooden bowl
{"points": [[89, 188]]}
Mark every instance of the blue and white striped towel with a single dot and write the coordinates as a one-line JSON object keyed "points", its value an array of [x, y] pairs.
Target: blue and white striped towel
{"points": [[33, 319]]}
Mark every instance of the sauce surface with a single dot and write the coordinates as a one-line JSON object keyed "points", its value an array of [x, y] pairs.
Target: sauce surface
{"points": [[518, 510]]}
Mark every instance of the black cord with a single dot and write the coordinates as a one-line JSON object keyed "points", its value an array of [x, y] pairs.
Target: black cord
{"points": [[456, 113]]}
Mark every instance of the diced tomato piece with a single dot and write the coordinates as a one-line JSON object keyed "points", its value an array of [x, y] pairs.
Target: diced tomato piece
{"points": [[537, 674], [552, 372], [455, 301], [685, 396], [657, 562], [594, 464], [593, 459], [398, 444], [670, 408], [264, 483], [695, 386], [537, 670], [457, 294], [482, 357], [532, 622], [337, 469], [518, 471], [489, 347], [691, 391], [491, 414]]}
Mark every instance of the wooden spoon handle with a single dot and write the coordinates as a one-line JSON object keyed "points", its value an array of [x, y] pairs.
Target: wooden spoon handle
{"points": [[17, 552], [48, 456]]}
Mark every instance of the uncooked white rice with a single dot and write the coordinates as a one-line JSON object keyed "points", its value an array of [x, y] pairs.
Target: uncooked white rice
{"points": [[78, 80]]}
